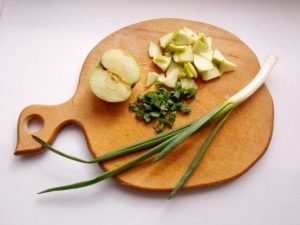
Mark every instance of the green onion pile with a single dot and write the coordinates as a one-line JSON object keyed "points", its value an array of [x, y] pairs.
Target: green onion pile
{"points": [[161, 145], [162, 105]]}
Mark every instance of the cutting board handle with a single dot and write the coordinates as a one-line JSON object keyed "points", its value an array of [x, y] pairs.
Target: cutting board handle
{"points": [[52, 120]]}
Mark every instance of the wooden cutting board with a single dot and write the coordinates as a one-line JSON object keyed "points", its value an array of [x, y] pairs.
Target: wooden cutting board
{"points": [[239, 144]]}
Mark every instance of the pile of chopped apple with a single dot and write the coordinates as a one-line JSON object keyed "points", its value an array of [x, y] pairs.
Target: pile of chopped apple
{"points": [[183, 56]]}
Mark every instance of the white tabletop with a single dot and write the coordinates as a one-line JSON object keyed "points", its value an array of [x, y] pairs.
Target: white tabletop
{"points": [[42, 47]]}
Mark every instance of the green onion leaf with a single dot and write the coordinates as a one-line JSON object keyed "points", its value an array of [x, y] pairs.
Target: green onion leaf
{"points": [[113, 172], [198, 156], [204, 120]]}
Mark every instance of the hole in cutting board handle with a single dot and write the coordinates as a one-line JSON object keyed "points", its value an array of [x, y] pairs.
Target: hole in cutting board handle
{"points": [[34, 123]]}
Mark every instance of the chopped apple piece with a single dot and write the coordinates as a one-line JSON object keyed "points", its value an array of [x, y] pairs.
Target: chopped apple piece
{"points": [[181, 74], [209, 42], [202, 63], [122, 64], [186, 56], [106, 86], [173, 67], [217, 57], [176, 48], [226, 66], [182, 38], [161, 78], [190, 70], [188, 83], [210, 74], [162, 61], [170, 80], [191, 33], [154, 50], [208, 54], [166, 39], [200, 46], [151, 78]]}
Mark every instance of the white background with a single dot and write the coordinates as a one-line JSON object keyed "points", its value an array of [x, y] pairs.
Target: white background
{"points": [[42, 47]]}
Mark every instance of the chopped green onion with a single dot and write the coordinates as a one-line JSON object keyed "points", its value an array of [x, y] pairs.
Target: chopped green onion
{"points": [[160, 104]]}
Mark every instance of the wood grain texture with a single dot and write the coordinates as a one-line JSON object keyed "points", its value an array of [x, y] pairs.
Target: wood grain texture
{"points": [[239, 144]]}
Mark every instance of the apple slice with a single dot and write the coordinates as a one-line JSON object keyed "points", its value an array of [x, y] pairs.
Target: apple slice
{"points": [[162, 61], [154, 50], [208, 54], [209, 42], [191, 33], [170, 80], [151, 78], [188, 83], [108, 87], [200, 46], [186, 56], [182, 38], [227, 66], [166, 39], [202, 64], [210, 74], [176, 48], [122, 64], [217, 57], [190, 70]]}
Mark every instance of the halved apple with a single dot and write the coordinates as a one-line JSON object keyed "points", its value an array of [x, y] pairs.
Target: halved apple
{"points": [[122, 64], [113, 81]]}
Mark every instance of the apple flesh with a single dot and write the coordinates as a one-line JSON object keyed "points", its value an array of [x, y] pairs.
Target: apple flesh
{"points": [[185, 56], [166, 39], [202, 64], [211, 74], [188, 83], [227, 66], [113, 81], [154, 50], [190, 70], [107, 86], [122, 64], [182, 37], [162, 61], [151, 78]]}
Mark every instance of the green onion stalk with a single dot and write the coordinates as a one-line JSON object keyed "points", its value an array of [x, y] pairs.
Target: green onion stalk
{"points": [[162, 144]]}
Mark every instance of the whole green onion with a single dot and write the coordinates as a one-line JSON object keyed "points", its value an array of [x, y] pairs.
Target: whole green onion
{"points": [[167, 143]]}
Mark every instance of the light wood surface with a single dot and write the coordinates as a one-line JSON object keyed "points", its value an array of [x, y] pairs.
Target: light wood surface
{"points": [[239, 144]]}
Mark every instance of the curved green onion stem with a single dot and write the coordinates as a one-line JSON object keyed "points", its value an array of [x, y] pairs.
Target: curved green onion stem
{"points": [[168, 141], [198, 156], [119, 151], [114, 153], [113, 172]]}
